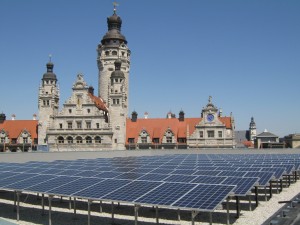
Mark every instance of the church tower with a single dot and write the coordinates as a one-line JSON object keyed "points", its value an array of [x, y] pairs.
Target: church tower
{"points": [[48, 102], [252, 130], [117, 106], [113, 46]]}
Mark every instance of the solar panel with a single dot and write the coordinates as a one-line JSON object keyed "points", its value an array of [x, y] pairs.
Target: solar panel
{"points": [[264, 177], [183, 172], [132, 191], [74, 186], [204, 197], [50, 184], [208, 179], [162, 171], [180, 178], [108, 174], [207, 173], [34, 179], [243, 185], [100, 189], [14, 178], [129, 176], [165, 194], [232, 174], [153, 177], [88, 173]]}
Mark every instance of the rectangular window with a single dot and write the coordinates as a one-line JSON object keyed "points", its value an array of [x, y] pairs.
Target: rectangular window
{"points": [[69, 125], [60, 126], [25, 140], [2, 139], [116, 141], [14, 141], [35, 141], [144, 139], [201, 134], [97, 125], [181, 140], [114, 101], [70, 110], [169, 139], [220, 134], [88, 125], [48, 102], [131, 140], [155, 140], [211, 133], [79, 125]]}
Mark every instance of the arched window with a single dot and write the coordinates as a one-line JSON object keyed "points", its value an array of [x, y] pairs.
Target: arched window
{"points": [[70, 140], [168, 136], [60, 140], [114, 53], [143, 136], [97, 139], [78, 140], [88, 140]]}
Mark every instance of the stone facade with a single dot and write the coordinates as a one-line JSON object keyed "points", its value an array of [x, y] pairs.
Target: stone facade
{"points": [[213, 131], [82, 124], [292, 140]]}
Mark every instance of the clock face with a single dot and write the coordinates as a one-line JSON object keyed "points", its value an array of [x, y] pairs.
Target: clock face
{"points": [[210, 117]]}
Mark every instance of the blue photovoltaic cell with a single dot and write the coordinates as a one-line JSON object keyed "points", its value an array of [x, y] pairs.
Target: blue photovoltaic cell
{"points": [[183, 172], [243, 185], [204, 197], [88, 173], [180, 178], [129, 176], [132, 191], [6, 174], [74, 186], [264, 177], [232, 174], [162, 171], [210, 168], [278, 172], [69, 172], [100, 189], [165, 194], [35, 179], [249, 169], [154, 177], [207, 173], [108, 174], [124, 169], [37, 170], [50, 184], [141, 170], [12, 179], [208, 179], [51, 171]]}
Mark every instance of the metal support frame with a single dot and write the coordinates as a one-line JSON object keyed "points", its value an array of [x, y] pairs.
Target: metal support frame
{"points": [[281, 185], [89, 211], [194, 214], [112, 213], [178, 214], [136, 214], [237, 206], [15, 201], [227, 210], [70, 203], [100, 208], [266, 198], [256, 196], [277, 187], [210, 218], [156, 215], [250, 204], [271, 195], [289, 176], [50, 197], [295, 174], [43, 204], [74, 208], [18, 205]]}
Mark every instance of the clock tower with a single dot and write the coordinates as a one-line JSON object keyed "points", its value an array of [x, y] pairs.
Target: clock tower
{"points": [[48, 102], [113, 46], [252, 130]]}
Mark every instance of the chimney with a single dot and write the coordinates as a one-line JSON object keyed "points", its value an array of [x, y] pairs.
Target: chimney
{"points": [[169, 115], [91, 90], [134, 116], [181, 116], [2, 118], [13, 117], [146, 114], [34, 117]]}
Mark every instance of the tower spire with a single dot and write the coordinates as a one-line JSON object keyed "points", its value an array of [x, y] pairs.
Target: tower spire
{"points": [[115, 6]]}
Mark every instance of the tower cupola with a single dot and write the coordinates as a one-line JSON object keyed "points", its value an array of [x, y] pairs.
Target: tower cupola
{"points": [[49, 75], [114, 36], [117, 73]]}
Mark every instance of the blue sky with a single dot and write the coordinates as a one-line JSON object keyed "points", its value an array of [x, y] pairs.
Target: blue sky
{"points": [[245, 54]]}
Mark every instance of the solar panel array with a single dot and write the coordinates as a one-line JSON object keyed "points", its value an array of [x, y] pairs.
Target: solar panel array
{"points": [[187, 181]]}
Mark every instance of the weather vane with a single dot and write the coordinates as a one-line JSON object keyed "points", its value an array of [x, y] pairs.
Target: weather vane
{"points": [[115, 6], [50, 56]]}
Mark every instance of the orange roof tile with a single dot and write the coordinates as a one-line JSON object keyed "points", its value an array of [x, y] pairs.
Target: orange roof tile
{"points": [[157, 127], [98, 102], [15, 127]]}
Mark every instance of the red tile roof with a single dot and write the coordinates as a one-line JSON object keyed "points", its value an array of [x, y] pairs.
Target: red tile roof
{"points": [[15, 127], [156, 128], [98, 102]]}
